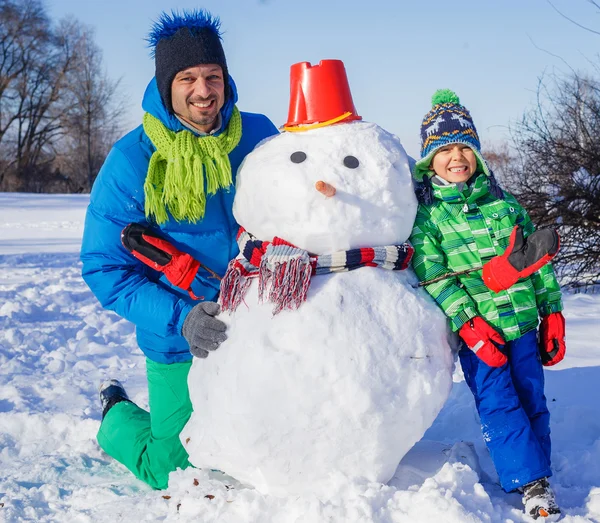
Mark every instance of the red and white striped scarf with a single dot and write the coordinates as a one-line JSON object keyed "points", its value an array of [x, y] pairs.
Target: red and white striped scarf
{"points": [[284, 271]]}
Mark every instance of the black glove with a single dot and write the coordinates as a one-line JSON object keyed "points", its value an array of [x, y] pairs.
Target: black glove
{"points": [[202, 330], [156, 252], [522, 258]]}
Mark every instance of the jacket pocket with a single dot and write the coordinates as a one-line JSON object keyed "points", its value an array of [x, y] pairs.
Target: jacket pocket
{"points": [[503, 219]]}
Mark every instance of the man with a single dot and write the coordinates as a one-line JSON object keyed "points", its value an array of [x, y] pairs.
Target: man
{"points": [[172, 178]]}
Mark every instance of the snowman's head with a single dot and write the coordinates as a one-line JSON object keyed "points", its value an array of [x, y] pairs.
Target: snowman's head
{"points": [[284, 189]]}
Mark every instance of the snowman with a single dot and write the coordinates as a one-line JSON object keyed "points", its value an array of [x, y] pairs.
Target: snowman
{"points": [[329, 375]]}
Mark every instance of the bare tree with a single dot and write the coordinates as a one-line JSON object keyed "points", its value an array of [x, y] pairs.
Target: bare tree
{"points": [[22, 32], [499, 158], [40, 92], [23, 35], [556, 172], [575, 22], [93, 116], [554, 164], [58, 110], [41, 59]]}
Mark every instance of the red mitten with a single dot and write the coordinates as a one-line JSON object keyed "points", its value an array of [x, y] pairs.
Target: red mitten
{"points": [[521, 258], [478, 336], [179, 267], [552, 345]]}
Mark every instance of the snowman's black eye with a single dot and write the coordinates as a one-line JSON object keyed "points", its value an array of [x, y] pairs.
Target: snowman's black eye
{"points": [[351, 162], [298, 157]]}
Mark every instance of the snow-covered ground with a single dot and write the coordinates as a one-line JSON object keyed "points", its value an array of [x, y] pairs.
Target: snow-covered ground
{"points": [[57, 345]]}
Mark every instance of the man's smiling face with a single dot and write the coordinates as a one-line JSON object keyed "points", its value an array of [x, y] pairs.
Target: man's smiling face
{"points": [[197, 95]]}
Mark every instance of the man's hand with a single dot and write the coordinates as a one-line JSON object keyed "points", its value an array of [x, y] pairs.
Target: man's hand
{"points": [[202, 330], [156, 252], [552, 345], [480, 337], [521, 258]]}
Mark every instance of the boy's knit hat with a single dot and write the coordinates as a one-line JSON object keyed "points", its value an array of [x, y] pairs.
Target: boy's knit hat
{"points": [[447, 122], [185, 40]]}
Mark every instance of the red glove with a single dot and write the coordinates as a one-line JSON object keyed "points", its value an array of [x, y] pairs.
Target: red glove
{"points": [[552, 339], [521, 258], [179, 268], [480, 338]]}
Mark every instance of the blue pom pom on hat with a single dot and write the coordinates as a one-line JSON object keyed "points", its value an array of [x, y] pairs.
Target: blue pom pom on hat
{"points": [[185, 39], [446, 123]]}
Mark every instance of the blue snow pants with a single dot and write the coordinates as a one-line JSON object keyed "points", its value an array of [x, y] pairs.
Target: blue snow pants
{"points": [[512, 408]]}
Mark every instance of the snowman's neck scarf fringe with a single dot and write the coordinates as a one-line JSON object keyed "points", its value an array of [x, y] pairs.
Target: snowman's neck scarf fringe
{"points": [[284, 271]]}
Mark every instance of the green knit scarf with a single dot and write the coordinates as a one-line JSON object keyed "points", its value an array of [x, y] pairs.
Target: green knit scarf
{"points": [[180, 165]]}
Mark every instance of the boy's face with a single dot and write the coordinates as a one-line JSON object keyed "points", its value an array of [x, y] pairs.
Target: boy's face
{"points": [[454, 163]]}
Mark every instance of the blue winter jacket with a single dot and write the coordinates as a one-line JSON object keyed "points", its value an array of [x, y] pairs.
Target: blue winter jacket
{"points": [[121, 282]]}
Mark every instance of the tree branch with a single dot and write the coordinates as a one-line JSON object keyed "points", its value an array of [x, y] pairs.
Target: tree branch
{"points": [[573, 21]]}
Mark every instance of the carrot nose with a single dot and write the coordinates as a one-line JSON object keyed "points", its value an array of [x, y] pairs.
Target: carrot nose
{"points": [[325, 188]]}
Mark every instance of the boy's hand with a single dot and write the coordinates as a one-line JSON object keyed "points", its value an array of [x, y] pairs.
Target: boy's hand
{"points": [[552, 345], [480, 338], [521, 258]]}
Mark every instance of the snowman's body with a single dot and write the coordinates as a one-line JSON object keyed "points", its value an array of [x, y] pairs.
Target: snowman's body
{"points": [[345, 385]]}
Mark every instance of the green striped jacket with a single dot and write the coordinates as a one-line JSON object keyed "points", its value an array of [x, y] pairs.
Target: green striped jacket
{"points": [[463, 230]]}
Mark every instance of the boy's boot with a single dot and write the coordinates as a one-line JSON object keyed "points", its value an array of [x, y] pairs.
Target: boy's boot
{"points": [[111, 393], [539, 501]]}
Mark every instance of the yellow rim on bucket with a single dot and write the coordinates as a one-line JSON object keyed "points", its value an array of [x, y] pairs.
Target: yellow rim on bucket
{"points": [[300, 128]]}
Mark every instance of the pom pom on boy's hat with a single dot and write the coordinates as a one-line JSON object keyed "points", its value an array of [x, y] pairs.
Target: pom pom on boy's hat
{"points": [[179, 41], [447, 122]]}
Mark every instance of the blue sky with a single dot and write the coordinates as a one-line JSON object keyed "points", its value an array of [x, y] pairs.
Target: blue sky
{"points": [[396, 53]]}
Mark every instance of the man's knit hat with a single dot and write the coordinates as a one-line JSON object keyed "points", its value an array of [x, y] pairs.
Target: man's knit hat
{"points": [[447, 122], [179, 41]]}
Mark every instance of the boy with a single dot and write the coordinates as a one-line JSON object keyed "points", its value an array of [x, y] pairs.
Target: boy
{"points": [[464, 220]]}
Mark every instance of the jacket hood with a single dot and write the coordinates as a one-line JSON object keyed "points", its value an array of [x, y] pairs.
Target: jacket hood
{"points": [[421, 168], [152, 103]]}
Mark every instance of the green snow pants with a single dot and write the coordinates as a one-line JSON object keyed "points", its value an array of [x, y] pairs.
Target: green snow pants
{"points": [[147, 443]]}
